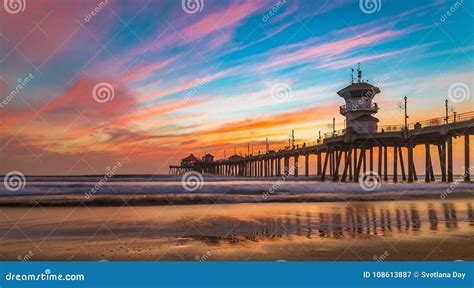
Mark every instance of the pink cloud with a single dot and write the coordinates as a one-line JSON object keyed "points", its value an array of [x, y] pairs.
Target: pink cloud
{"points": [[222, 19], [146, 71], [333, 48], [45, 28], [186, 86], [81, 100]]}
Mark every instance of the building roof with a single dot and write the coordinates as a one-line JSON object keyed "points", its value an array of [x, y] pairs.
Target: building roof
{"points": [[235, 157], [358, 90], [190, 158], [207, 155]]}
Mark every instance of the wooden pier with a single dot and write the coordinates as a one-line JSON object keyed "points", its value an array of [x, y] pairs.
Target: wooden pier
{"points": [[344, 156], [348, 154]]}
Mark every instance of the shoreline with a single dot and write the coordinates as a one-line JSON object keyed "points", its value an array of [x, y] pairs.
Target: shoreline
{"points": [[204, 199], [206, 177]]}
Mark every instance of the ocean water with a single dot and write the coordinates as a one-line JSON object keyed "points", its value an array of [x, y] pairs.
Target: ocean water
{"points": [[163, 190]]}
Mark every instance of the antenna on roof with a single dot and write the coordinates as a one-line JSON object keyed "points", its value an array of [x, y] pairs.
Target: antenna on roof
{"points": [[352, 75], [359, 73]]}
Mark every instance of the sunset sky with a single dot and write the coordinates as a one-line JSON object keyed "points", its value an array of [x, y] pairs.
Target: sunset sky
{"points": [[203, 81]]}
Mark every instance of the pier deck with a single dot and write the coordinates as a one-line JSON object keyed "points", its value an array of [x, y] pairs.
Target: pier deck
{"points": [[342, 155]]}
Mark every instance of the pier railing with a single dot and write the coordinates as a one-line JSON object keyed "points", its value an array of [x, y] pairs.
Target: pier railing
{"points": [[359, 107], [336, 133], [453, 118]]}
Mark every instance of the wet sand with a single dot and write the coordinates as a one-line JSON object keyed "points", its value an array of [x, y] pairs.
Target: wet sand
{"points": [[377, 231]]}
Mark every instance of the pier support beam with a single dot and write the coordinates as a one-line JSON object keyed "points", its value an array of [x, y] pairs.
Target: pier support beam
{"points": [[296, 165], [272, 167], [442, 160], [385, 163], [415, 177], [402, 164], [277, 171], [347, 165], [371, 159], [395, 164], [349, 161], [266, 170], [331, 163], [427, 163], [432, 177], [467, 165], [326, 158], [380, 161], [286, 166], [268, 167], [450, 159], [278, 166], [410, 163], [355, 165], [319, 165], [359, 164], [364, 162], [306, 165], [338, 162]]}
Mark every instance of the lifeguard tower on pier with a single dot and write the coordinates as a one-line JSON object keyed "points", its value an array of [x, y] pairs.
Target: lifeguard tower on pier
{"points": [[359, 107]]}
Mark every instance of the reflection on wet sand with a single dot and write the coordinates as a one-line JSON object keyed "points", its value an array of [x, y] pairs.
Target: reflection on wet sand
{"points": [[470, 213], [349, 222], [409, 230]]}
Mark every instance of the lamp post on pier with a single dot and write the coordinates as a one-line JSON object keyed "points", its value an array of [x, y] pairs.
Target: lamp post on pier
{"points": [[447, 115], [333, 126], [406, 112]]}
